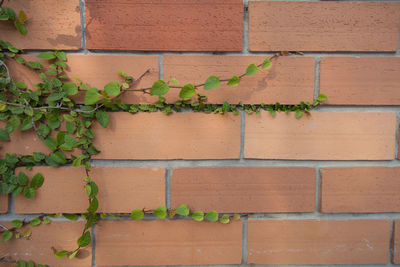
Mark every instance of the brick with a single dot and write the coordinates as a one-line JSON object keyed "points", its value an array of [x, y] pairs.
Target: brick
{"points": [[244, 189], [318, 242], [360, 81], [48, 27], [97, 71], [3, 203], [396, 242], [179, 242], [179, 136], [60, 235], [165, 25], [321, 136], [323, 26], [121, 190], [289, 81], [360, 189]]}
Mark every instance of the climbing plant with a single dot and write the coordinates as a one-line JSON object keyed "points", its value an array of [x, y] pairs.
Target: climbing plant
{"points": [[64, 124]]}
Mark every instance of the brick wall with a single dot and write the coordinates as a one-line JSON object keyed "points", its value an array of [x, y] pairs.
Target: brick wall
{"points": [[322, 189]]}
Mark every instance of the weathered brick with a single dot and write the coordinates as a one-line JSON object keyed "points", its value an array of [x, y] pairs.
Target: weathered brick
{"points": [[179, 136], [289, 81], [60, 235], [244, 189], [121, 189], [51, 24], [3, 203], [321, 136], [97, 71], [360, 189], [24, 143], [318, 242], [360, 81], [323, 26], [158, 242], [396, 242], [205, 25]]}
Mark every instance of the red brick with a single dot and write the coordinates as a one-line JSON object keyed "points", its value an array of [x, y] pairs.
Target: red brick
{"points": [[51, 24], [396, 242], [178, 136], [24, 143], [318, 242], [360, 81], [289, 81], [60, 235], [323, 26], [321, 136], [97, 71], [360, 189], [165, 25], [121, 190], [3, 203], [244, 189], [158, 242]]}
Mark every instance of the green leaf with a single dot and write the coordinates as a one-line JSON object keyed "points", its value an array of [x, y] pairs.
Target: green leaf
{"points": [[47, 55], [299, 113], [161, 212], [22, 16], [234, 81], [35, 222], [182, 210], [91, 96], [21, 264], [58, 157], [70, 88], [6, 236], [251, 69], [20, 85], [20, 27], [322, 97], [37, 180], [22, 178], [4, 135], [61, 253], [12, 124], [198, 216], [30, 264], [137, 214], [17, 223], [36, 65], [61, 55], [70, 126], [10, 12], [212, 216], [73, 254], [112, 88], [224, 219], [187, 92], [51, 143], [92, 189], [84, 240], [26, 124], [20, 60], [266, 64], [29, 192], [159, 88], [4, 17], [55, 96], [94, 204], [43, 129], [173, 81], [103, 118], [212, 82], [70, 141], [236, 216]]}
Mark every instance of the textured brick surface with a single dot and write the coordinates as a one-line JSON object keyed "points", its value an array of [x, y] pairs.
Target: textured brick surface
{"points": [[323, 26], [24, 143], [179, 136], [360, 81], [360, 189], [396, 242], [51, 24], [3, 203], [289, 81], [318, 242], [205, 25], [244, 189], [321, 136], [168, 243], [60, 235], [121, 189]]}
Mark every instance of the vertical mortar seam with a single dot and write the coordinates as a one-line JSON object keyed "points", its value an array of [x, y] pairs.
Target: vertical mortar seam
{"points": [[94, 245], [161, 67], [396, 143], [391, 242], [245, 36], [244, 241], [242, 133], [83, 25], [317, 189], [168, 172], [316, 76]]}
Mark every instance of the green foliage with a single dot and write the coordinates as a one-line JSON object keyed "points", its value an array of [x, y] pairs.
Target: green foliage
{"points": [[137, 214], [159, 88], [251, 70], [212, 216], [187, 92], [212, 82], [183, 210]]}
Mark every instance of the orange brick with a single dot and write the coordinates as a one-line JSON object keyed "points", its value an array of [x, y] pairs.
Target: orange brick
{"points": [[60, 235], [166, 25], [179, 136], [97, 71], [360, 189], [51, 24], [3, 203], [396, 242], [158, 242], [321, 136], [289, 81], [318, 242], [323, 26], [360, 81], [244, 189], [121, 190]]}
